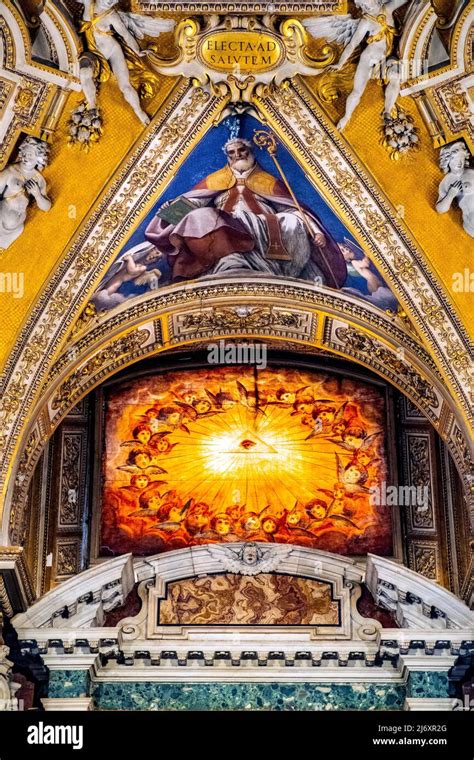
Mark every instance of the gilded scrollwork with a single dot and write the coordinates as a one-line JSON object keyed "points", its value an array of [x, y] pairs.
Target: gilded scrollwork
{"points": [[28, 88], [419, 475], [361, 343], [242, 320], [69, 501], [235, 55], [424, 559], [120, 349], [67, 558]]}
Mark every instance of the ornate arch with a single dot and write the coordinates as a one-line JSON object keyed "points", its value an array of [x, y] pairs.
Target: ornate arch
{"points": [[64, 38], [334, 169], [286, 314]]}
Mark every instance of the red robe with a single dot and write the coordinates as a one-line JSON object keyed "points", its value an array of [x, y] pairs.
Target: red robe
{"points": [[207, 233]]}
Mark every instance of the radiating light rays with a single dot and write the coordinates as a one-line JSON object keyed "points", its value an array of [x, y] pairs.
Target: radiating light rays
{"points": [[210, 464], [237, 464]]}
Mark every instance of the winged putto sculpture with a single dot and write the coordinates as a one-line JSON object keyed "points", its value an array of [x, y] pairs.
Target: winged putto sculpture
{"points": [[111, 47], [375, 29]]}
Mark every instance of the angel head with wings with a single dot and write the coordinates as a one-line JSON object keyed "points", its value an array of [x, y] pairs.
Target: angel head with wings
{"points": [[249, 558]]}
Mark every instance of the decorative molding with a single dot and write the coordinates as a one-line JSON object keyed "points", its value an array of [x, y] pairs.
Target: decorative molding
{"points": [[443, 94], [16, 579], [433, 704], [390, 362], [68, 557], [242, 320], [4, 599], [74, 704], [85, 596], [249, 6], [424, 558], [415, 600], [36, 92], [419, 468], [66, 629], [72, 485], [121, 351]]}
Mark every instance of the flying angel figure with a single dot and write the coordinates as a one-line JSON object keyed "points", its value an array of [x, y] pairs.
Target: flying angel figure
{"points": [[193, 413], [318, 427], [221, 400], [150, 470], [249, 399], [351, 477], [108, 32], [376, 27], [366, 444]]}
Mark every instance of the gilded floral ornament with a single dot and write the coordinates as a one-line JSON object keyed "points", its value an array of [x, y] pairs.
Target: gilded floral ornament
{"points": [[399, 134], [85, 126], [70, 389], [86, 316]]}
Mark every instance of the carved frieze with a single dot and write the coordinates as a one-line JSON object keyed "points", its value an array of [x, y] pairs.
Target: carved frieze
{"points": [[120, 351], [67, 557], [395, 365], [418, 473], [409, 410], [71, 492], [423, 556], [266, 320]]}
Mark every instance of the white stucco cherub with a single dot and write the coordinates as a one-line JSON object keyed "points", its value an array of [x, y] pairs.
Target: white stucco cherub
{"points": [[375, 27], [109, 32], [458, 184], [19, 182], [249, 558]]}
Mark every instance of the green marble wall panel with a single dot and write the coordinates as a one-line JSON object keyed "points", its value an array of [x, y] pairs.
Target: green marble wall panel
{"points": [[68, 683], [427, 683], [248, 696]]}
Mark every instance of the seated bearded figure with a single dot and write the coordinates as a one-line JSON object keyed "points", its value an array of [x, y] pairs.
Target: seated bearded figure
{"points": [[239, 219]]}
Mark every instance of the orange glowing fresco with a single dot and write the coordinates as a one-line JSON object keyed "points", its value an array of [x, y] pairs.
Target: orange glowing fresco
{"points": [[234, 454]]}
